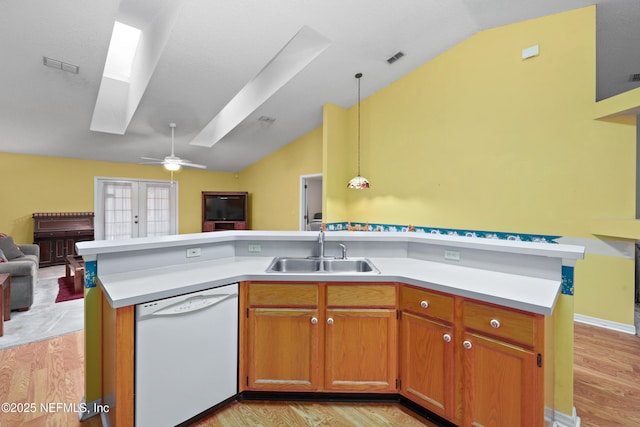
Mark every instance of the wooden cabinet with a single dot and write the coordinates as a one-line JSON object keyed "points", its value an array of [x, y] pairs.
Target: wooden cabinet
{"points": [[296, 332], [360, 338], [282, 337], [427, 350], [57, 233], [224, 210], [502, 366], [472, 363]]}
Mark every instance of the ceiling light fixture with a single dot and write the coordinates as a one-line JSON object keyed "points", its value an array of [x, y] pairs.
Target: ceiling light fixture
{"points": [[358, 182], [172, 162]]}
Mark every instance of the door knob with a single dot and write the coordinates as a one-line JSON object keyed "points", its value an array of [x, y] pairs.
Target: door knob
{"points": [[467, 345], [446, 337], [314, 320], [330, 321]]}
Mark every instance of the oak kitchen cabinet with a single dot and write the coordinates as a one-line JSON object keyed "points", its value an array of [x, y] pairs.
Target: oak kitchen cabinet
{"points": [[319, 337], [361, 338], [427, 357], [502, 366], [495, 354], [282, 333]]}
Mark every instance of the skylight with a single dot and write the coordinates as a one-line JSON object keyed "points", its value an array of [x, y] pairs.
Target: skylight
{"points": [[122, 51]]}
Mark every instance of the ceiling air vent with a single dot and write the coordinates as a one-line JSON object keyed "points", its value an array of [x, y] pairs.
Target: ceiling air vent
{"points": [[54, 63], [395, 57], [266, 119], [635, 77]]}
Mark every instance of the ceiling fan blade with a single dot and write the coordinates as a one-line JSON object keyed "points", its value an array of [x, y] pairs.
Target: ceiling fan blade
{"points": [[152, 159], [192, 165]]}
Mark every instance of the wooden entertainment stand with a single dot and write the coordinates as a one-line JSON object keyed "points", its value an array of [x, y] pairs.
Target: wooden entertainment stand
{"points": [[223, 224]]}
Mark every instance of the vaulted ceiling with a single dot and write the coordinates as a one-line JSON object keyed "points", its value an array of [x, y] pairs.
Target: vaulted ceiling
{"points": [[201, 55]]}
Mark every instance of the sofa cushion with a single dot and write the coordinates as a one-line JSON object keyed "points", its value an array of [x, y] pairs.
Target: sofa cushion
{"points": [[2, 257], [9, 248]]}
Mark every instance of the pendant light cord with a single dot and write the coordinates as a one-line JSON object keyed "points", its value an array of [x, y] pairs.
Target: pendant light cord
{"points": [[358, 76]]}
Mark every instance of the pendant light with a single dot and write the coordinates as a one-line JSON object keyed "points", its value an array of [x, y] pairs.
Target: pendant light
{"points": [[358, 182]]}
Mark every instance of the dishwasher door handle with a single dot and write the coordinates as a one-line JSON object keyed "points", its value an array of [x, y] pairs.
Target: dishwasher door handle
{"points": [[189, 305]]}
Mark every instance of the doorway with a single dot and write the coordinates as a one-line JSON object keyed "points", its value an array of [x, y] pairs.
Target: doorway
{"points": [[310, 202], [128, 208]]}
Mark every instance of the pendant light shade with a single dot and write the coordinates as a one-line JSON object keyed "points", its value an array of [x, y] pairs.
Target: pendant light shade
{"points": [[358, 182]]}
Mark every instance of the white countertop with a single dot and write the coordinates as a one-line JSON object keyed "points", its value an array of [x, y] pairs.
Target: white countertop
{"points": [[516, 291]]}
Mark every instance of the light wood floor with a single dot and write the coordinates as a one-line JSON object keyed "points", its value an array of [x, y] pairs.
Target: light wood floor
{"points": [[607, 389], [606, 377]]}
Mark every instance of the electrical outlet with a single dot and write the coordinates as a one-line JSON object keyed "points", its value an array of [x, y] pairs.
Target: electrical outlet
{"points": [[452, 255], [193, 252], [254, 248]]}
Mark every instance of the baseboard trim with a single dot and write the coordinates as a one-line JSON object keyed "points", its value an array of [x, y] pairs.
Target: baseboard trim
{"points": [[553, 418], [607, 324], [88, 410]]}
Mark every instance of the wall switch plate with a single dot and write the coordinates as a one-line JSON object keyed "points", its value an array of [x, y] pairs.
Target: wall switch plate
{"points": [[254, 248], [193, 252], [452, 255], [530, 52]]}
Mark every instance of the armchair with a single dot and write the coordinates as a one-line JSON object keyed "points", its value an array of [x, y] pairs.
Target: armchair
{"points": [[24, 276]]}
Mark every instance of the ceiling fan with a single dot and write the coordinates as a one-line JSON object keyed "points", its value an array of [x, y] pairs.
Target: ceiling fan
{"points": [[172, 162]]}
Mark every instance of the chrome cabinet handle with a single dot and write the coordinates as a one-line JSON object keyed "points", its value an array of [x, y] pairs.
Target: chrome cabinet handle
{"points": [[424, 304], [467, 345], [495, 323], [446, 337], [314, 320], [330, 321]]}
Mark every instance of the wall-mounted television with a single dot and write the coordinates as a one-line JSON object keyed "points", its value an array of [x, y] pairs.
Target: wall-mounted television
{"points": [[221, 206]]}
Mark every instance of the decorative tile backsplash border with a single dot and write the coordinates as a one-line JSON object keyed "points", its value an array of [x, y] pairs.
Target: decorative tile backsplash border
{"points": [[359, 226], [567, 272]]}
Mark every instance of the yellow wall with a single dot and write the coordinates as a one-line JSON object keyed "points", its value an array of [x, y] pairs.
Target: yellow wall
{"points": [[274, 183], [605, 287], [52, 184], [480, 139], [337, 157]]}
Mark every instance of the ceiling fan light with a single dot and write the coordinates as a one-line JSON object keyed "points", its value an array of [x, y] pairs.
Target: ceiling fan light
{"points": [[358, 183], [172, 166]]}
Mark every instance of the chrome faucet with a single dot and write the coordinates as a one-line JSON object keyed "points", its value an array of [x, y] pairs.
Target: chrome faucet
{"points": [[321, 244], [344, 250], [321, 254]]}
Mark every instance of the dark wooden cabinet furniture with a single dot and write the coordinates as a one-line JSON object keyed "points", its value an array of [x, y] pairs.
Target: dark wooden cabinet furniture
{"points": [[225, 210], [57, 233]]}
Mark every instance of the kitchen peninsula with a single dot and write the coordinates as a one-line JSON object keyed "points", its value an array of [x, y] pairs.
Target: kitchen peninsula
{"points": [[494, 298]]}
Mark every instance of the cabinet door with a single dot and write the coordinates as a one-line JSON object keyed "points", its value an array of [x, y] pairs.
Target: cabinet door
{"points": [[500, 384], [60, 251], [283, 349], [427, 364], [46, 252], [361, 350]]}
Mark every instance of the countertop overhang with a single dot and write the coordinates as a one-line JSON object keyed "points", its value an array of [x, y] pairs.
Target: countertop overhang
{"points": [[528, 292]]}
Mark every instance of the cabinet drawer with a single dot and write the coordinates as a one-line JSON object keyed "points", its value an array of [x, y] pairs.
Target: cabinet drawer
{"points": [[361, 295], [283, 295], [512, 325], [437, 305]]}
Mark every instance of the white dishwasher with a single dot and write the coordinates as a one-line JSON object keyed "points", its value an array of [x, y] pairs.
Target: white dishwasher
{"points": [[186, 355]]}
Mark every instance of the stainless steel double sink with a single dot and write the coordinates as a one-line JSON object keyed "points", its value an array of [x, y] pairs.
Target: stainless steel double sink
{"points": [[321, 265]]}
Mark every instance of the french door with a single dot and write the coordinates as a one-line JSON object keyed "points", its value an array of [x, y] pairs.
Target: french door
{"points": [[127, 208]]}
